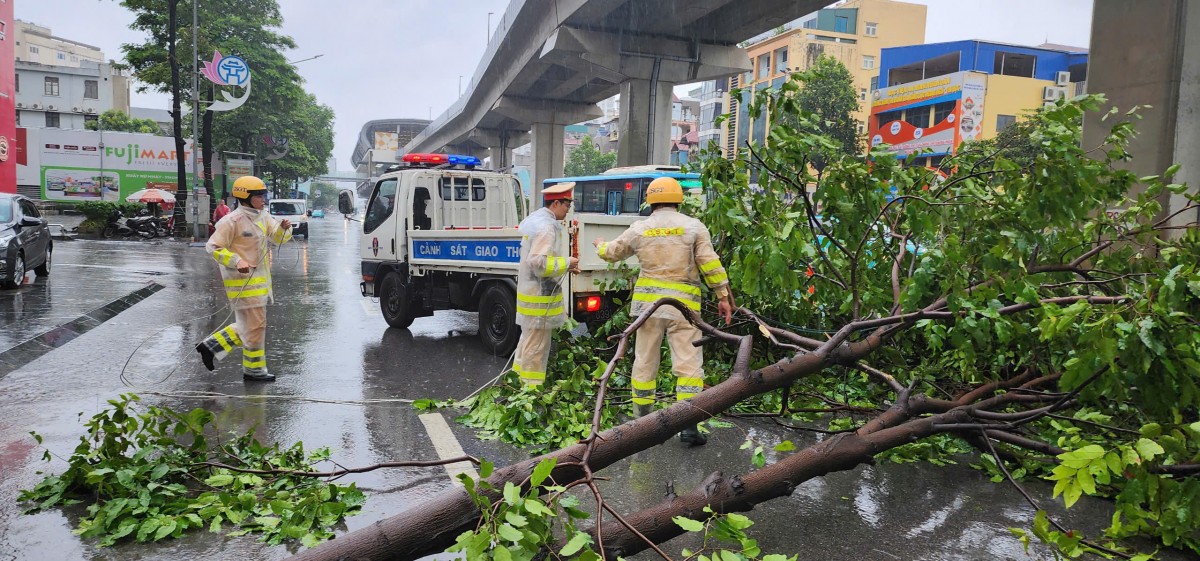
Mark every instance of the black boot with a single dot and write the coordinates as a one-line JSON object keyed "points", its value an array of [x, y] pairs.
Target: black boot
{"points": [[642, 410], [692, 436], [258, 376], [206, 355]]}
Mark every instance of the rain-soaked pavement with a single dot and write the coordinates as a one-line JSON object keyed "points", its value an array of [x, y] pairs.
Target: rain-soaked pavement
{"points": [[120, 316]]}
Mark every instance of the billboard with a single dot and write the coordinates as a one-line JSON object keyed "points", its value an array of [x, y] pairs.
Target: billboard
{"points": [[900, 115], [238, 168], [8, 110], [74, 165], [387, 141]]}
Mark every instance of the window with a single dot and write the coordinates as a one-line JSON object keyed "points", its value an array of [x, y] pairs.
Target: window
{"points": [[917, 116], [1004, 121], [841, 24], [52, 120], [62, 56], [862, 94], [781, 63], [91, 89], [874, 83], [51, 86], [1014, 64], [381, 205], [859, 128], [868, 62], [942, 110], [764, 67], [17, 82], [871, 29], [462, 189], [28, 209], [33, 50], [18, 117]]}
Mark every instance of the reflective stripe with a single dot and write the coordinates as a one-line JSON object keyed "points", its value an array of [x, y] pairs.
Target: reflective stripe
{"points": [[555, 265], [254, 353], [246, 282], [247, 293], [716, 279], [602, 250], [246, 363], [540, 312], [533, 299], [688, 387], [715, 263], [669, 285], [231, 333], [644, 297], [649, 385], [662, 232], [643, 400], [224, 343], [223, 256]]}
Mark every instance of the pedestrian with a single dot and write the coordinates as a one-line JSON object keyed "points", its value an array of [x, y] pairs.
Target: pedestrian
{"points": [[218, 213], [241, 245], [674, 252], [540, 306]]}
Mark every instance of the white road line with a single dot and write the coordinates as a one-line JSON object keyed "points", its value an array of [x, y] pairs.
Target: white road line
{"points": [[369, 307], [447, 446]]}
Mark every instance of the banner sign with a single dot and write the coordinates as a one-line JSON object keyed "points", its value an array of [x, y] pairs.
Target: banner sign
{"points": [[496, 251], [387, 141], [238, 168], [74, 165], [228, 71], [896, 109]]}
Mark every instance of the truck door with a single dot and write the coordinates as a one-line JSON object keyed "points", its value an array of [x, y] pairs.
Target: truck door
{"points": [[380, 223]]}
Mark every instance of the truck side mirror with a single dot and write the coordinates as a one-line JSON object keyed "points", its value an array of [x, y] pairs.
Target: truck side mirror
{"points": [[346, 202]]}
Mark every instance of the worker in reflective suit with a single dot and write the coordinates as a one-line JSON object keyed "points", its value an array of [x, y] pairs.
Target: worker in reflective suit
{"points": [[540, 305], [241, 245], [674, 252]]}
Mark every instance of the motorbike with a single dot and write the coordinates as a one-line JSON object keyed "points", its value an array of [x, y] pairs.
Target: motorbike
{"points": [[153, 226], [119, 225]]}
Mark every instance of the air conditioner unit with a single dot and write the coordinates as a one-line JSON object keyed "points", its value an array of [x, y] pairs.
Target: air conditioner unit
{"points": [[1053, 93], [52, 108], [37, 106], [1062, 78], [76, 110], [20, 105], [90, 110]]}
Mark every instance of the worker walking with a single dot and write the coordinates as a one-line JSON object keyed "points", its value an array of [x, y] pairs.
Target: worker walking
{"points": [[241, 245], [674, 252], [540, 306]]}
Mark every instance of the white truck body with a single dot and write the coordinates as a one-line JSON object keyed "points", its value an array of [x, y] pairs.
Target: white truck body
{"points": [[446, 238]]}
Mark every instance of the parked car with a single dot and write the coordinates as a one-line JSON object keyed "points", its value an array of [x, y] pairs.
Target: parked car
{"points": [[318, 213], [24, 240]]}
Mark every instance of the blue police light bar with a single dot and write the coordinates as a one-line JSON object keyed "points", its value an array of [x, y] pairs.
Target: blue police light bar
{"points": [[458, 160]]}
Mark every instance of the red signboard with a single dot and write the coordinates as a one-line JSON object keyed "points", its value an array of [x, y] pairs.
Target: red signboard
{"points": [[8, 109]]}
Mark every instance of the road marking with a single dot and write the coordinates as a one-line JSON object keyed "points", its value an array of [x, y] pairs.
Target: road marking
{"points": [[447, 446], [369, 307]]}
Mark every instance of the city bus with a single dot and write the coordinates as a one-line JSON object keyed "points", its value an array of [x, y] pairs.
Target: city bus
{"points": [[622, 191]]}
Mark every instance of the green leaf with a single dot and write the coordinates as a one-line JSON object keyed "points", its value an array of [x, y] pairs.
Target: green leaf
{"points": [[689, 524], [785, 446], [542, 471], [1148, 449], [509, 533], [576, 543], [219, 480], [512, 494]]}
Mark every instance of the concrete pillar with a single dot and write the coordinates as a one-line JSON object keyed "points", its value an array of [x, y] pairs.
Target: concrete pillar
{"points": [[501, 151], [645, 126], [547, 157], [1147, 52]]}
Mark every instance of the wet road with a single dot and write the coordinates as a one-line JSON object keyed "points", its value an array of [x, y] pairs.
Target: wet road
{"points": [[123, 316]]}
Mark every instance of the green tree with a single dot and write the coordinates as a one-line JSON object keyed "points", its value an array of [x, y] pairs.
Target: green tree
{"points": [[278, 106], [119, 121], [586, 159], [1004, 311], [828, 94]]}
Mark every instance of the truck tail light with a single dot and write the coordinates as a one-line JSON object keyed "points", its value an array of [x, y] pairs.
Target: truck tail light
{"points": [[591, 304], [369, 278]]}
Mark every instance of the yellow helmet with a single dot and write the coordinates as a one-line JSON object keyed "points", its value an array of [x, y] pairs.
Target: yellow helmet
{"points": [[247, 186], [664, 190]]}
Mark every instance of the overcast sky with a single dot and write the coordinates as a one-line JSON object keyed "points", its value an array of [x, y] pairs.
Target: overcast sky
{"points": [[403, 58]]}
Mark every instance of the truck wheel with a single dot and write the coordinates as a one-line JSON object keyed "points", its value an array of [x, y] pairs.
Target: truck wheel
{"points": [[498, 319], [394, 302]]}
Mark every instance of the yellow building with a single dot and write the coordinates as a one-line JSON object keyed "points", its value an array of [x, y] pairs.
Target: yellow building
{"points": [[853, 32], [940, 95]]}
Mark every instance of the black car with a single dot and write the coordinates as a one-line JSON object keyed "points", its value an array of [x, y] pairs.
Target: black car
{"points": [[24, 240]]}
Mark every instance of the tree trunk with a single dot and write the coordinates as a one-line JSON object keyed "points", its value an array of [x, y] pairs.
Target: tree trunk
{"points": [[177, 119], [432, 526], [206, 143]]}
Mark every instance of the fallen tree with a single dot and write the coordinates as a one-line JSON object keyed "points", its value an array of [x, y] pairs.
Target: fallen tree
{"points": [[1007, 305]]}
